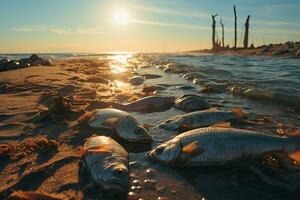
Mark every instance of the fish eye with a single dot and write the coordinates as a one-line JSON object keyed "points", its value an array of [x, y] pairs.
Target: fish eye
{"points": [[159, 149], [168, 121], [139, 131], [119, 172]]}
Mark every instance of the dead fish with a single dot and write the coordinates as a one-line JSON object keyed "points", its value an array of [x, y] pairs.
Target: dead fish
{"points": [[151, 76], [152, 88], [199, 119], [186, 87], [123, 123], [136, 80], [106, 161], [273, 96], [219, 146], [147, 104], [190, 103]]}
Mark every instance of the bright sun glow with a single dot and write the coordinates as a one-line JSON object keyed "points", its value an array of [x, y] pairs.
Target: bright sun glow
{"points": [[121, 17]]}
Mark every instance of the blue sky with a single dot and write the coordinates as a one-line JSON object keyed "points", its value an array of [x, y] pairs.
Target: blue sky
{"points": [[150, 25]]}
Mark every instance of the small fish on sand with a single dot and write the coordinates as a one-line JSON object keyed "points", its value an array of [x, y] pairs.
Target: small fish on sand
{"points": [[147, 104], [153, 88], [106, 161], [199, 119], [190, 103], [219, 146], [122, 122], [136, 80]]}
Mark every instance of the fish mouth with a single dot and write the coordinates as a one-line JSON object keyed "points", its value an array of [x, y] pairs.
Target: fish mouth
{"points": [[150, 154], [115, 187]]}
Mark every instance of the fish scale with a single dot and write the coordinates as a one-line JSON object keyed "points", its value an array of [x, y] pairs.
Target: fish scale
{"points": [[220, 145], [235, 143]]}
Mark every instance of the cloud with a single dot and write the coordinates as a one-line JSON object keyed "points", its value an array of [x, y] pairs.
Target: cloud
{"points": [[187, 13], [35, 28], [280, 7], [175, 25], [58, 30]]}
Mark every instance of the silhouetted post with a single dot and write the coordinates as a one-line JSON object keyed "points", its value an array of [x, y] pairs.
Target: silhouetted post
{"points": [[214, 30], [222, 25], [235, 27], [246, 38]]}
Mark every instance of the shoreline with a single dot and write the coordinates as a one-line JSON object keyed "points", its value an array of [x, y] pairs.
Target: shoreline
{"points": [[273, 50]]}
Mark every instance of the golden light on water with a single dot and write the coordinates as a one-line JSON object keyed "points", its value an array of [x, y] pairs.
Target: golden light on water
{"points": [[120, 63], [121, 17]]}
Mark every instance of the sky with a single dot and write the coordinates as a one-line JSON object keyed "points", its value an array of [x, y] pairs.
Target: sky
{"points": [[94, 26]]}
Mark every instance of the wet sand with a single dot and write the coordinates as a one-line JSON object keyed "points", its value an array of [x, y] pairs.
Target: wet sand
{"points": [[39, 150]]}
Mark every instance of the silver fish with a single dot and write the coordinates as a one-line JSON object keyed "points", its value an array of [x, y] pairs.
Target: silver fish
{"points": [[136, 80], [191, 102], [147, 104], [217, 146], [123, 123], [199, 119], [107, 163]]}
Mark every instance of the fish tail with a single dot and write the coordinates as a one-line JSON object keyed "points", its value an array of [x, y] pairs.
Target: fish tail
{"points": [[238, 112], [296, 137], [116, 105]]}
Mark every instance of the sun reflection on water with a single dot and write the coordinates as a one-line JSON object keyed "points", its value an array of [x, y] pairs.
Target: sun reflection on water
{"points": [[120, 63]]}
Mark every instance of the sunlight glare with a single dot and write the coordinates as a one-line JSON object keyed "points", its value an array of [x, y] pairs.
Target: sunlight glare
{"points": [[121, 17], [120, 63]]}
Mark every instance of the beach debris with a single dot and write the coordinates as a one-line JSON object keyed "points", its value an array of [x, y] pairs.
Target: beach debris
{"points": [[97, 79], [147, 104], [217, 146], [8, 65], [273, 96], [27, 146], [33, 60], [186, 87], [106, 161], [136, 80], [151, 76], [191, 102], [193, 75], [33, 195], [123, 123], [202, 118], [153, 88]]}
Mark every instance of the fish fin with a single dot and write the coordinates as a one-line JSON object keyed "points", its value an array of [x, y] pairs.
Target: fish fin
{"points": [[147, 126], [295, 156], [213, 109], [186, 126], [192, 149], [86, 116], [111, 121], [238, 112], [83, 118], [97, 149], [222, 125]]}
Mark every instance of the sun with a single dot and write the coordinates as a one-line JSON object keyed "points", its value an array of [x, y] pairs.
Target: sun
{"points": [[121, 17]]}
